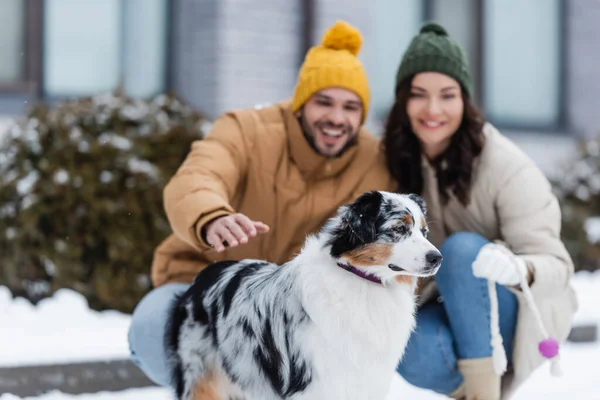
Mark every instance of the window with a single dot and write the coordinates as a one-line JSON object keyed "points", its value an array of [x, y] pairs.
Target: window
{"points": [[514, 50], [95, 46], [397, 22], [522, 61], [12, 42], [145, 47], [81, 41], [460, 18]]}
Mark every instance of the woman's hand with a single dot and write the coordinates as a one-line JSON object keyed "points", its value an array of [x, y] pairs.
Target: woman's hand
{"points": [[497, 263]]}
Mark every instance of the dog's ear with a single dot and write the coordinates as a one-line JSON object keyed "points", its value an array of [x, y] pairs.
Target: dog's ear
{"points": [[366, 207], [359, 222], [420, 202]]}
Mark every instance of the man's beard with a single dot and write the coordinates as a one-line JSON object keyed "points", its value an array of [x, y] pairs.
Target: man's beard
{"points": [[353, 141]]}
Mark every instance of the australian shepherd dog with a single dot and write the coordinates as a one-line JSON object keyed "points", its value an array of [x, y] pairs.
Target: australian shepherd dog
{"points": [[331, 324]]}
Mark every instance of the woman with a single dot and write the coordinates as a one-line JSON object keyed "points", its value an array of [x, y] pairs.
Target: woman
{"points": [[493, 216]]}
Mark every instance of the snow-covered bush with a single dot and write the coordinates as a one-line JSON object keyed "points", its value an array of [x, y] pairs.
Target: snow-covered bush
{"points": [[578, 190], [81, 194]]}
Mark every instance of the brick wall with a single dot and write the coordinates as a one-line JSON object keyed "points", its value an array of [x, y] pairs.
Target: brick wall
{"points": [[195, 49], [260, 45], [235, 53]]}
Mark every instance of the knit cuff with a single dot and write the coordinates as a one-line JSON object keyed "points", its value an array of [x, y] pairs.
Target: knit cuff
{"points": [[204, 245]]}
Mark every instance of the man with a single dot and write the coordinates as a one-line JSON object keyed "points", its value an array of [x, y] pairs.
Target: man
{"points": [[261, 180]]}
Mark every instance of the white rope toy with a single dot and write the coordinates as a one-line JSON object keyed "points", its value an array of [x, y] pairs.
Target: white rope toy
{"points": [[498, 354], [548, 347]]}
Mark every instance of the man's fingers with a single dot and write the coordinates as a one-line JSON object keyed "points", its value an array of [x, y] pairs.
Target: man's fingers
{"points": [[215, 241], [237, 231], [228, 237], [246, 224], [234, 230], [251, 227], [260, 227]]}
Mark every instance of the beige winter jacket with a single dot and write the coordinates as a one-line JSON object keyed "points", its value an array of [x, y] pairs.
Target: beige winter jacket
{"points": [[512, 201]]}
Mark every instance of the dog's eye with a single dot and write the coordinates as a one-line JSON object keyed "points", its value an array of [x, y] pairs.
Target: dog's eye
{"points": [[425, 232], [400, 229]]}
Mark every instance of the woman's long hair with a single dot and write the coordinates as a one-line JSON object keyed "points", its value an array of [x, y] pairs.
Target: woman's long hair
{"points": [[403, 150]]}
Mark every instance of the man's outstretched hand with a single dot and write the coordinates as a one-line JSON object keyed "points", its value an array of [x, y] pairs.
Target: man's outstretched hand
{"points": [[234, 229]]}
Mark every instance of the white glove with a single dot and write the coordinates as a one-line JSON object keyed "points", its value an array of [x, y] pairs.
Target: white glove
{"points": [[497, 263]]}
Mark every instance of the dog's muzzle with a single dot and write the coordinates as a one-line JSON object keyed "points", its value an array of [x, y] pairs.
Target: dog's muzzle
{"points": [[433, 260]]}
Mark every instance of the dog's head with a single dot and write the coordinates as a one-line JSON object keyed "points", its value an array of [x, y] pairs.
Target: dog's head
{"points": [[384, 235]]}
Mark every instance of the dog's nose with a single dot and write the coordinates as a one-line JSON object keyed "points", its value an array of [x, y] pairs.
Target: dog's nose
{"points": [[433, 258]]}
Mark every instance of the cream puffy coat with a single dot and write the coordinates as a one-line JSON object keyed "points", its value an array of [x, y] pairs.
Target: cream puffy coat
{"points": [[512, 202]]}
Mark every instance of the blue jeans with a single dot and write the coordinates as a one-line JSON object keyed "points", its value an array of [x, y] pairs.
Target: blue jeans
{"points": [[147, 332], [459, 327]]}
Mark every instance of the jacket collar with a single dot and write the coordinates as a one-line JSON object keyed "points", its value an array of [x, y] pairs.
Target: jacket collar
{"points": [[427, 165], [312, 165]]}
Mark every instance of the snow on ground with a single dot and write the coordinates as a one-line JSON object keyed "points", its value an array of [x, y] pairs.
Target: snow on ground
{"points": [[132, 394], [63, 329], [60, 329], [580, 364]]}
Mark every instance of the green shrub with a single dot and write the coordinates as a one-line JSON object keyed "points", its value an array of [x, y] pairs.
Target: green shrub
{"points": [[81, 195], [578, 190]]}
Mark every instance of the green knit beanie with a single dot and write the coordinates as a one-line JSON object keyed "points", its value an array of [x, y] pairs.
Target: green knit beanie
{"points": [[432, 50]]}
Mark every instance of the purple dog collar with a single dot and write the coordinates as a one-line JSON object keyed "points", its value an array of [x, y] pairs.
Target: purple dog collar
{"points": [[358, 272]]}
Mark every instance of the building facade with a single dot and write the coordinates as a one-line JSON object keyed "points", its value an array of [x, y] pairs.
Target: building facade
{"points": [[534, 62]]}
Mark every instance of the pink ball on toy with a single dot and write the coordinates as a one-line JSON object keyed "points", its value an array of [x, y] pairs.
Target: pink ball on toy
{"points": [[548, 348]]}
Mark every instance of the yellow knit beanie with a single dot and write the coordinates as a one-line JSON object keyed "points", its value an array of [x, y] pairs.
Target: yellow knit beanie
{"points": [[333, 63]]}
